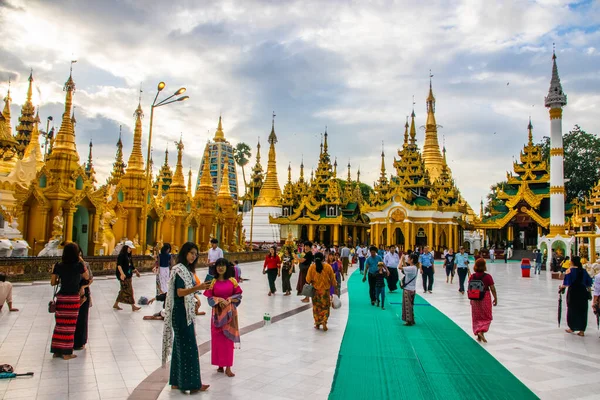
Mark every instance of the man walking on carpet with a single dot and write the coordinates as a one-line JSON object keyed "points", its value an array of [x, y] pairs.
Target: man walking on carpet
{"points": [[371, 265], [345, 256], [426, 260], [391, 261]]}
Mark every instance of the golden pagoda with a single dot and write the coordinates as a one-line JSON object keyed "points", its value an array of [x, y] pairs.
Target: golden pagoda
{"points": [[325, 208], [202, 216], [8, 144], [61, 201], [586, 224], [256, 180], [118, 166], [419, 205], [522, 210], [26, 121]]}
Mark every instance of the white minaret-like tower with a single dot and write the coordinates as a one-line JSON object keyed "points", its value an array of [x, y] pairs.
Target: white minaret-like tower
{"points": [[555, 101]]}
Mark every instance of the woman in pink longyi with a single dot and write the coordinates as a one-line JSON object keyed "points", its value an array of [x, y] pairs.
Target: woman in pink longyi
{"points": [[224, 296]]}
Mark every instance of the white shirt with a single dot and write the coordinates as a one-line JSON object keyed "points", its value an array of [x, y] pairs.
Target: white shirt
{"points": [[492, 251], [391, 260], [597, 285], [410, 273], [362, 252], [214, 254]]}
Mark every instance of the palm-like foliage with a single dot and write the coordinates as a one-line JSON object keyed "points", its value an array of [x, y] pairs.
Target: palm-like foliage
{"points": [[241, 154]]}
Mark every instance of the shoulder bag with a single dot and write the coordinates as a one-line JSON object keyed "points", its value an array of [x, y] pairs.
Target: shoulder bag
{"points": [[403, 282], [308, 290], [52, 303]]}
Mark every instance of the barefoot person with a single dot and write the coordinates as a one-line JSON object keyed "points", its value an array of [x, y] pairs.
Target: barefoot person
{"points": [[321, 276], [410, 271], [6, 294], [224, 296], [579, 283], [179, 335], [481, 310], [68, 274], [124, 272]]}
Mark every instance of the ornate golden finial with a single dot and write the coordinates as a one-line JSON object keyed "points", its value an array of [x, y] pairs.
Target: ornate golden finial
{"points": [[178, 179], [64, 143], [270, 192], [382, 163], [89, 167], [530, 130], [290, 172], [34, 143], [205, 178], [6, 110], [136, 158], [189, 184], [413, 129], [325, 138], [219, 134], [321, 152], [358, 175], [335, 168], [405, 144], [432, 156], [302, 169], [224, 190], [26, 121], [118, 166], [349, 175]]}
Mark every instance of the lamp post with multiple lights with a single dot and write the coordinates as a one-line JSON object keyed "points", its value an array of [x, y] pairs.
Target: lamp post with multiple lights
{"points": [[155, 104]]}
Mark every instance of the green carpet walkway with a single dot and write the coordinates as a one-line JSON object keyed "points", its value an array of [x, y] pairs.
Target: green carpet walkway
{"points": [[382, 359]]}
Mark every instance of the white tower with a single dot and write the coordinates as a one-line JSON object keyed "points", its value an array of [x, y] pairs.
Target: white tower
{"points": [[555, 101]]}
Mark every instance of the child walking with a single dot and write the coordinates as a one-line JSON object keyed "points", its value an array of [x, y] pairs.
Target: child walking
{"points": [[382, 272]]}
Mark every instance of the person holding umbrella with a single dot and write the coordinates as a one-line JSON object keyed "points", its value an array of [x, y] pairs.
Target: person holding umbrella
{"points": [[579, 283]]}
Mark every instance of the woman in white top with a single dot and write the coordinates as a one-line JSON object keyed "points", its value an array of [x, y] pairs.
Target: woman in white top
{"points": [[410, 272]]}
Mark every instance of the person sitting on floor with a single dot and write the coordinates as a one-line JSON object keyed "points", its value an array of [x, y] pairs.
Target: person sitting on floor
{"points": [[6, 294]]}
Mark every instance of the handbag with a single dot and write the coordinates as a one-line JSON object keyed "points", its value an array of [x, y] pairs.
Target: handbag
{"points": [[308, 290], [337, 303], [52, 303]]}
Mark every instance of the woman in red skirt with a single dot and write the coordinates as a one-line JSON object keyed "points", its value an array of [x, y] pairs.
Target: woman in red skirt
{"points": [[481, 310], [68, 274]]}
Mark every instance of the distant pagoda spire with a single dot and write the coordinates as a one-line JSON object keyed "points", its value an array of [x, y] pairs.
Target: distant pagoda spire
{"points": [[6, 110], [118, 166], [270, 192], [89, 167], [26, 120], [178, 179], [136, 159]]}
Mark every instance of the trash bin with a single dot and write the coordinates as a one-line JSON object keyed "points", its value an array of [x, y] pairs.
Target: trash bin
{"points": [[525, 267]]}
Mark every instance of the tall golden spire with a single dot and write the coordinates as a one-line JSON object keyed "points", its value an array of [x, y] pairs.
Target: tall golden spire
{"points": [[136, 159], [405, 144], [270, 192], [34, 144], [335, 168], [530, 134], [89, 167], [189, 184], [65, 139], [224, 190], [358, 175], [432, 156], [205, 179], [26, 120], [382, 171], [289, 173], [178, 179], [349, 175], [219, 134], [118, 166], [413, 130], [6, 111], [325, 147]]}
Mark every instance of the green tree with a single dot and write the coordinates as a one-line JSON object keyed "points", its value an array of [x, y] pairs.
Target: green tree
{"points": [[241, 154], [581, 163]]}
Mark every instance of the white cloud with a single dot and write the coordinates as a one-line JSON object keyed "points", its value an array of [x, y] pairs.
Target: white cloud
{"points": [[348, 65]]}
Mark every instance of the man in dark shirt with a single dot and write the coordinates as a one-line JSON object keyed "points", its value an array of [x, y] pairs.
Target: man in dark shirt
{"points": [[305, 261]]}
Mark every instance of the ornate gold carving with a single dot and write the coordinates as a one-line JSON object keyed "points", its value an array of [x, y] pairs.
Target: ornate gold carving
{"points": [[557, 152], [557, 190], [556, 113], [398, 215]]}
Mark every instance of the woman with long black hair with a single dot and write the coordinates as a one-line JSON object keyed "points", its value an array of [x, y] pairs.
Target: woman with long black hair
{"points": [[179, 336], [272, 267], [579, 283], [124, 272], [322, 277], [68, 273], [81, 331]]}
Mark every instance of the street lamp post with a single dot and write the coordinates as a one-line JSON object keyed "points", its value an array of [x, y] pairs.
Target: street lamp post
{"points": [[161, 103]]}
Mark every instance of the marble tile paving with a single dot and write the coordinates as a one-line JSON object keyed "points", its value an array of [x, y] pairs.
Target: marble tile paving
{"points": [[288, 359]]}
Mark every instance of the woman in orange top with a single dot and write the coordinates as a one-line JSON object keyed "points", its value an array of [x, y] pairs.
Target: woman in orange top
{"points": [[321, 276]]}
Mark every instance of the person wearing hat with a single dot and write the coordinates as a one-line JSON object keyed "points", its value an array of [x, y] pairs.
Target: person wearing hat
{"points": [[124, 272]]}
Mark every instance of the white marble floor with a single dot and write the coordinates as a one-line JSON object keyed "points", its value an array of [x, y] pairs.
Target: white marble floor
{"points": [[288, 359]]}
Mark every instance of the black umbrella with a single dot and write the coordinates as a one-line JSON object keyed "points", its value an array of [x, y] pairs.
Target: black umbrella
{"points": [[559, 306]]}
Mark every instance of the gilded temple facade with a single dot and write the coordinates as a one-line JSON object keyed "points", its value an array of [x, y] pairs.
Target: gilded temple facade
{"points": [[419, 204], [521, 212], [318, 209], [57, 199]]}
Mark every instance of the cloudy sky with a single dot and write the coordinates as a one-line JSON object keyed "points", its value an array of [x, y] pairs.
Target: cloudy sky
{"points": [[352, 66]]}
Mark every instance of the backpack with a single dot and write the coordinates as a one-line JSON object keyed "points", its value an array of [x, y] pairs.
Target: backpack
{"points": [[476, 288]]}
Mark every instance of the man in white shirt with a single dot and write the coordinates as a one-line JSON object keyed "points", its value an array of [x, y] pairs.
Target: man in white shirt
{"points": [[391, 261], [492, 254], [345, 256], [362, 256], [214, 253]]}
